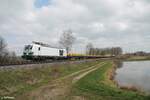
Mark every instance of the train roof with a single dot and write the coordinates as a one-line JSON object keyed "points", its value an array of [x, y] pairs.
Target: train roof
{"points": [[46, 45]]}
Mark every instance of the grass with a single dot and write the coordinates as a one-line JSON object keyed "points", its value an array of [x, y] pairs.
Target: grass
{"points": [[138, 58], [15, 82], [97, 86]]}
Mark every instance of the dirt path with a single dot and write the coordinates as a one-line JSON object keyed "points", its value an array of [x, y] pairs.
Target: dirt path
{"points": [[75, 79], [78, 72], [58, 89]]}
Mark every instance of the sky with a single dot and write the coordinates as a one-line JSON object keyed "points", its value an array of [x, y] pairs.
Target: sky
{"points": [[105, 23]]}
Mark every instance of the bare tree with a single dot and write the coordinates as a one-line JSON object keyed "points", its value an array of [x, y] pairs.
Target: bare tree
{"points": [[114, 51], [2, 46], [89, 47], [66, 40]]}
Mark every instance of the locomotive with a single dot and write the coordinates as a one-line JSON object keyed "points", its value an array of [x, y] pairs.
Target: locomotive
{"points": [[41, 51]]}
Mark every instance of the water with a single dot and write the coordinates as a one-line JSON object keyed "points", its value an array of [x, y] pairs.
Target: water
{"points": [[135, 74]]}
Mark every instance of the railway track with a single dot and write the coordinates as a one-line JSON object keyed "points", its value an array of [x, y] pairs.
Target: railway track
{"points": [[32, 64], [29, 63], [24, 63]]}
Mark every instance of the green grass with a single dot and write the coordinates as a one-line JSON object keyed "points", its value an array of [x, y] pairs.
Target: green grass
{"points": [[96, 86], [19, 81]]}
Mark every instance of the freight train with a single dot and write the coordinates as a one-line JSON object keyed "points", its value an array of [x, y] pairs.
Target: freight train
{"points": [[41, 51]]}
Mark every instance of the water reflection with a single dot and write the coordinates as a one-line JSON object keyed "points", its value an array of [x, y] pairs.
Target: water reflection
{"points": [[134, 74], [119, 64]]}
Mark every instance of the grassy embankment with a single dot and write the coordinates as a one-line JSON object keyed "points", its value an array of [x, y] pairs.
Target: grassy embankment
{"points": [[138, 58], [98, 86], [18, 81]]}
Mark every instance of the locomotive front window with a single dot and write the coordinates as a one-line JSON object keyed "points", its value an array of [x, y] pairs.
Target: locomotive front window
{"points": [[27, 47], [31, 47]]}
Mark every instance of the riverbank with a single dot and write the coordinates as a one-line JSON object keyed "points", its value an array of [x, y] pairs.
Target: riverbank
{"points": [[132, 75], [70, 81], [98, 86], [138, 58]]}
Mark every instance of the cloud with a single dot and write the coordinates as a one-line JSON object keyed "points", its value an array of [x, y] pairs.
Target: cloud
{"points": [[105, 23]]}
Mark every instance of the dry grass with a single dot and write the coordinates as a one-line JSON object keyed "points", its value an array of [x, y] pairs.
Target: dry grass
{"points": [[18, 81], [109, 76], [132, 88]]}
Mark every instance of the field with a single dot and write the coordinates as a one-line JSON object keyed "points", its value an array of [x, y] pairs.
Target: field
{"points": [[89, 80], [14, 82]]}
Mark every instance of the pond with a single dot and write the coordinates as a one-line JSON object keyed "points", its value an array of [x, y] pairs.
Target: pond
{"points": [[135, 73]]}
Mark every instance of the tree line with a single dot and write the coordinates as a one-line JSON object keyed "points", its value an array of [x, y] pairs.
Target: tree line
{"points": [[113, 51]]}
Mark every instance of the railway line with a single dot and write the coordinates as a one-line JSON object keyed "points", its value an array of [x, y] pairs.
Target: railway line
{"points": [[32, 64], [28, 64], [39, 62], [25, 63]]}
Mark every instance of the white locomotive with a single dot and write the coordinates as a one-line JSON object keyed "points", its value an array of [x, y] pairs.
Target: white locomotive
{"points": [[38, 50]]}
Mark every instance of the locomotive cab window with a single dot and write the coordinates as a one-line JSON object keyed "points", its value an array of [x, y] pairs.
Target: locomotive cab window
{"points": [[61, 52], [28, 47], [31, 47]]}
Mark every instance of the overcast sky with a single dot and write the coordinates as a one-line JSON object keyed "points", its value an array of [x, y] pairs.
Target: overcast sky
{"points": [[105, 23]]}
